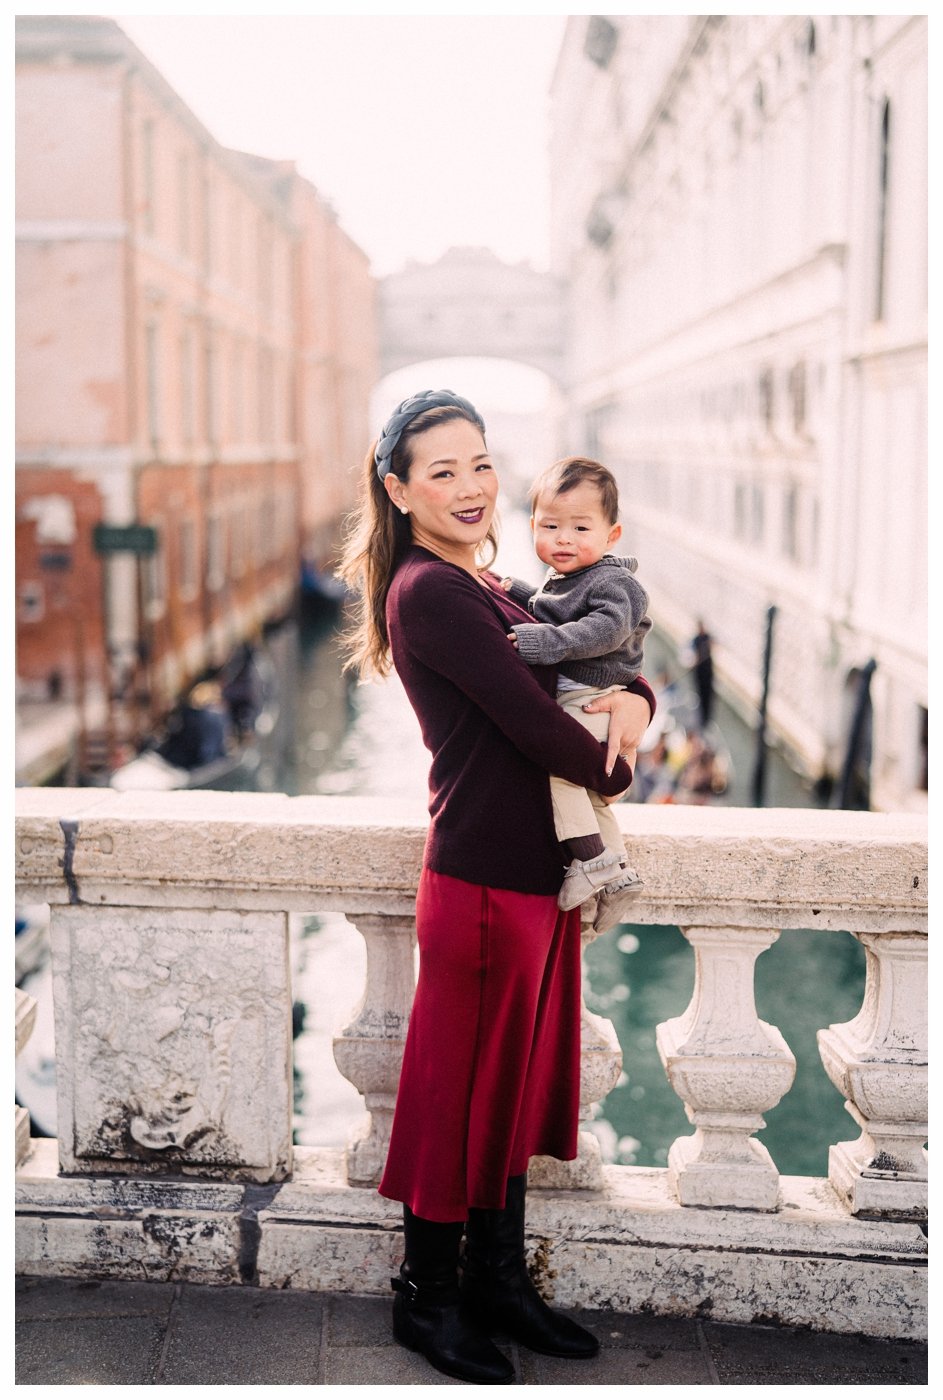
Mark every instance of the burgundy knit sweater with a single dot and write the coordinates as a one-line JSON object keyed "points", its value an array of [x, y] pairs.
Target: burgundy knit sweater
{"points": [[492, 725]]}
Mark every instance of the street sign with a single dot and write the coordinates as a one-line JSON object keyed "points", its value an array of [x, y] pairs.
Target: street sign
{"points": [[128, 539]]}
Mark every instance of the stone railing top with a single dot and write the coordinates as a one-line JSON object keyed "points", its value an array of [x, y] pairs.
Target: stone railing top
{"points": [[782, 867]]}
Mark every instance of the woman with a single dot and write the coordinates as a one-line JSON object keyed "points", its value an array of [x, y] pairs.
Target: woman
{"points": [[490, 1073]]}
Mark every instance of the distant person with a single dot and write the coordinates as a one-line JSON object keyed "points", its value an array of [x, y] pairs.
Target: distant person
{"points": [[199, 729], [703, 668], [591, 622], [491, 1068], [243, 691]]}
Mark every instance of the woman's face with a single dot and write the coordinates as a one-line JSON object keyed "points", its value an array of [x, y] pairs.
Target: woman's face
{"points": [[451, 490]]}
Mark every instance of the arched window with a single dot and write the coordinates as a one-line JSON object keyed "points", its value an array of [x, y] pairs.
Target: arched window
{"points": [[883, 185]]}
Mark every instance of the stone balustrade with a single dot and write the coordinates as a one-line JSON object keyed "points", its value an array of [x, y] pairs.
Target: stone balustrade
{"points": [[169, 928]]}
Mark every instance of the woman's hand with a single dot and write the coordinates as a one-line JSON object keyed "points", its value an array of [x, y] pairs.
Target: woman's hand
{"points": [[629, 717]]}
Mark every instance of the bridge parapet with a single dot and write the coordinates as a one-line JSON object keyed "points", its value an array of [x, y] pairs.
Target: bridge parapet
{"points": [[169, 920]]}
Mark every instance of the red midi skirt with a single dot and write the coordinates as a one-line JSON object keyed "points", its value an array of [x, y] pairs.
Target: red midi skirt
{"points": [[491, 1068]]}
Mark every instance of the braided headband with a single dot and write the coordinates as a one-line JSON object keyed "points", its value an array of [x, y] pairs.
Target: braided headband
{"points": [[409, 409]]}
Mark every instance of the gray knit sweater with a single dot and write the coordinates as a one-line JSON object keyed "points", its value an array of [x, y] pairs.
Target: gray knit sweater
{"points": [[591, 624]]}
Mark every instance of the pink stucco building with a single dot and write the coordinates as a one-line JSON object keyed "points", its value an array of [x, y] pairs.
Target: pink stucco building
{"points": [[195, 351]]}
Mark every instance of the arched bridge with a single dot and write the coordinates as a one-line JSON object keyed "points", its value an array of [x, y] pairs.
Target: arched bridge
{"points": [[471, 303]]}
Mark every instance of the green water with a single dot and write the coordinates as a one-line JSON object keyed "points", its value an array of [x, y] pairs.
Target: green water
{"points": [[641, 975]]}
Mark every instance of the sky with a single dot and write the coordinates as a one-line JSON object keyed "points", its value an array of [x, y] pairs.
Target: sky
{"points": [[423, 131]]}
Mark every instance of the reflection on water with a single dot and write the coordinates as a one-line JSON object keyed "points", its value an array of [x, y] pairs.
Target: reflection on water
{"points": [[638, 976], [336, 735]]}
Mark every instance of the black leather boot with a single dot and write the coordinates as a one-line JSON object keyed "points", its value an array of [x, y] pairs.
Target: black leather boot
{"points": [[428, 1313], [498, 1290]]}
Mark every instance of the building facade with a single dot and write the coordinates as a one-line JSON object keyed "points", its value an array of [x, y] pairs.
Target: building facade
{"points": [[739, 212], [176, 363]]}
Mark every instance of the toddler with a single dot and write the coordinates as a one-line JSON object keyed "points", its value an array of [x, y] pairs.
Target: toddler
{"points": [[591, 620]]}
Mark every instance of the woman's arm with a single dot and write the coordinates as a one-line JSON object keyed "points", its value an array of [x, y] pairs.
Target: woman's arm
{"points": [[450, 626]]}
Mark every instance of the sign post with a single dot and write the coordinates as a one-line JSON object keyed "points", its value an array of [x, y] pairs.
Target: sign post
{"points": [[125, 539]]}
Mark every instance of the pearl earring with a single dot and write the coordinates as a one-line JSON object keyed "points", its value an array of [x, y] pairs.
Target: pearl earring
{"points": [[405, 510]]}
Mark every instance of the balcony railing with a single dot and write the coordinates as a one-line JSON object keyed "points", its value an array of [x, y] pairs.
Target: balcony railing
{"points": [[169, 929]]}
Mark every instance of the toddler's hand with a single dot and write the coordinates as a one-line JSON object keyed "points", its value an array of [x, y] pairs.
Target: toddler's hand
{"points": [[513, 640], [506, 584]]}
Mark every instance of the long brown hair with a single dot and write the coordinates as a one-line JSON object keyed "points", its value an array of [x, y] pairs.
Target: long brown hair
{"points": [[377, 539]]}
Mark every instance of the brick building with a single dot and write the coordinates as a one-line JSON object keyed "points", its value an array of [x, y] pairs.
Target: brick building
{"points": [[195, 352]]}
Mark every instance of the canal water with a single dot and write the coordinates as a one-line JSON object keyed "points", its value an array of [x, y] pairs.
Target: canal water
{"points": [[335, 735]]}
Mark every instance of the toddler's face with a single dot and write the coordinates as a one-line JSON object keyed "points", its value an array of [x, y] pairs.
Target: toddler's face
{"points": [[570, 530]]}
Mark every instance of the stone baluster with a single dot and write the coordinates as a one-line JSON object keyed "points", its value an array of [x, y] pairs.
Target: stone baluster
{"points": [[728, 1067], [369, 1052], [600, 1067], [878, 1061], [25, 1021]]}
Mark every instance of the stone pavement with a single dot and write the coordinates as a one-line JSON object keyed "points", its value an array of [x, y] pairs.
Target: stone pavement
{"points": [[72, 1332]]}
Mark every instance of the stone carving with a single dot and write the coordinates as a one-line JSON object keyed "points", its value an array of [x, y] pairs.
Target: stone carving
{"points": [[728, 1067], [173, 1035], [878, 1061], [25, 1021]]}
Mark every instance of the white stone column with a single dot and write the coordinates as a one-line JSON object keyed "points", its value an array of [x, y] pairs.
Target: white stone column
{"points": [[369, 1052], [600, 1067], [25, 1021], [173, 1042], [728, 1067], [878, 1061]]}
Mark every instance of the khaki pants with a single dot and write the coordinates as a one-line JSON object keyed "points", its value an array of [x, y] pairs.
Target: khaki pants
{"points": [[577, 812]]}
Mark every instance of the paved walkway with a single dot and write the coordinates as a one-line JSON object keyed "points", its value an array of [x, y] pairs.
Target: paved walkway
{"points": [[69, 1332]]}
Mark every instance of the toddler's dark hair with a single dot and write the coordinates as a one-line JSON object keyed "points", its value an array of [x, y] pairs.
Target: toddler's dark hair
{"points": [[564, 475]]}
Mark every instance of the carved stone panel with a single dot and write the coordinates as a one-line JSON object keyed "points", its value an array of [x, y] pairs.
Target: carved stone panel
{"points": [[173, 1041]]}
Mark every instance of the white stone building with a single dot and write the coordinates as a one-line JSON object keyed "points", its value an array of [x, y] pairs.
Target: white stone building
{"points": [[739, 210]]}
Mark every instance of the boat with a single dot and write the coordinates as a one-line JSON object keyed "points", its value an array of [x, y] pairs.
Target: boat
{"points": [[321, 592], [213, 732]]}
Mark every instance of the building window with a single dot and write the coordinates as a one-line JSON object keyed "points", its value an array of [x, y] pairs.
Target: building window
{"points": [[766, 397], [207, 224], [883, 182], [235, 244], [188, 563], [268, 538], [265, 391], [266, 267], [923, 769], [187, 402], [237, 541], [797, 395], [739, 510], [215, 552], [791, 523], [235, 393], [209, 387], [147, 164], [31, 602], [152, 363], [601, 39], [757, 513], [183, 203]]}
